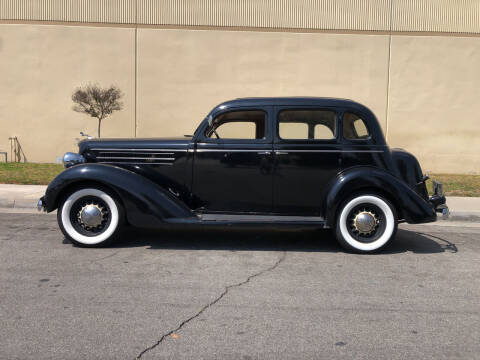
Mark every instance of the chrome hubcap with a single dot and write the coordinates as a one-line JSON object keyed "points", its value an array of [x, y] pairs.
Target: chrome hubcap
{"points": [[365, 222], [91, 216]]}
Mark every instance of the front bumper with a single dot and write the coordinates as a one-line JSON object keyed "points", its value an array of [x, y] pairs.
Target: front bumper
{"points": [[41, 204], [438, 201]]}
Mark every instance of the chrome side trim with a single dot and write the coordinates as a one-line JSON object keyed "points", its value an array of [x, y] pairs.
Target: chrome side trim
{"points": [[134, 163], [291, 151], [333, 151], [138, 150], [231, 150], [159, 151], [132, 158], [135, 153]]}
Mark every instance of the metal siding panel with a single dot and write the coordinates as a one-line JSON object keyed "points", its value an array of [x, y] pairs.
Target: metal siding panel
{"points": [[103, 11], [299, 14], [461, 16]]}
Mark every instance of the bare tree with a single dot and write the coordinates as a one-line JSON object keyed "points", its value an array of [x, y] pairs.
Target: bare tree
{"points": [[97, 102]]}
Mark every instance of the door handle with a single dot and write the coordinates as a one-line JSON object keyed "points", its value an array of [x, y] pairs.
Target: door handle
{"points": [[264, 152], [281, 152]]}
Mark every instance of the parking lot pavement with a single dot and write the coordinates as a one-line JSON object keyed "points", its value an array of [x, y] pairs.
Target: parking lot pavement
{"points": [[242, 294]]}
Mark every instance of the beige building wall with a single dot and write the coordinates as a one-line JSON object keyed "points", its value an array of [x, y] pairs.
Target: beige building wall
{"points": [[41, 65], [182, 74], [434, 101]]}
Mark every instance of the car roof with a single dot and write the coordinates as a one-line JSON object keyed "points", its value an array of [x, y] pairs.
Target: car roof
{"points": [[295, 101]]}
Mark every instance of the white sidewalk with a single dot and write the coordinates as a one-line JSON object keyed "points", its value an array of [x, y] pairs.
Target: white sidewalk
{"points": [[20, 196], [464, 208]]}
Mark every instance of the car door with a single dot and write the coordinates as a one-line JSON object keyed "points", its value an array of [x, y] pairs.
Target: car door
{"points": [[307, 157], [233, 173]]}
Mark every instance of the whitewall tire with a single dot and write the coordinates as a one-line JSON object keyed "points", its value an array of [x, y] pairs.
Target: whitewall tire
{"points": [[366, 223], [90, 217]]}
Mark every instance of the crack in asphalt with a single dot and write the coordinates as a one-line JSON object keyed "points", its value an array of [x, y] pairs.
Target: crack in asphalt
{"points": [[106, 257], [216, 300]]}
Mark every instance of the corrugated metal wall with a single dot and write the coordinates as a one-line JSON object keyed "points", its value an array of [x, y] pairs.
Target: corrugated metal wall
{"points": [[461, 16], [436, 15], [102, 11], [299, 14]]}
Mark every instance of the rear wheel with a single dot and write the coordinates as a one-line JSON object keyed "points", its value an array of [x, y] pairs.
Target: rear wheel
{"points": [[90, 217], [366, 223]]}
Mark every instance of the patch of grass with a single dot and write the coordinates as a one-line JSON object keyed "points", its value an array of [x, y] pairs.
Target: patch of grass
{"points": [[28, 173], [456, 184]]}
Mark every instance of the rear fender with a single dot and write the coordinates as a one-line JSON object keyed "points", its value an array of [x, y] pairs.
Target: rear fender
{"points": [[408, 203], [145, 202]]}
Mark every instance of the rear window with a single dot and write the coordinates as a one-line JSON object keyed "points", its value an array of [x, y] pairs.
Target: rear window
{"points": [[354, 127]]}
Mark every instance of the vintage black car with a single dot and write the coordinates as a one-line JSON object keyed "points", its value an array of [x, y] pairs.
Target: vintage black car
{"points": [[318, 162]]}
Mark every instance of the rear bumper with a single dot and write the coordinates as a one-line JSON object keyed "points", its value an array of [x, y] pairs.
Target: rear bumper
{"points": [[438, 201]]}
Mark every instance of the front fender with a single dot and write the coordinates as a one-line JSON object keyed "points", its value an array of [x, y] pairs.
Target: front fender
{"points": [[145, 202], [409, 204]]}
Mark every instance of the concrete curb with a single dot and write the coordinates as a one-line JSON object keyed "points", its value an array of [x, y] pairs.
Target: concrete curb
{"points": [[20, 196], [18, 204], [464, 216]]}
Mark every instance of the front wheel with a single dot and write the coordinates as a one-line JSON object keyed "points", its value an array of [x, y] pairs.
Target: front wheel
{"points": [[366, 223], [90, 217]]}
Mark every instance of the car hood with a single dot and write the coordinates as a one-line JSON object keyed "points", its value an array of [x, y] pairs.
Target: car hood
{"points": [[124, 144]]}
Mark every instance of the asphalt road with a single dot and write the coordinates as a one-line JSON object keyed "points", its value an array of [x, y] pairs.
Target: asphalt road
{"points": [[242, 294]]}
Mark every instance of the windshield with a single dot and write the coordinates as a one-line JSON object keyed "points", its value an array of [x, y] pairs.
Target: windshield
{"points": [[199, 126]]}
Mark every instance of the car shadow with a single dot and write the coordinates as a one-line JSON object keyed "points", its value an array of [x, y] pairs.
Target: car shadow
{"points": [[301, 240], [420, 243]]}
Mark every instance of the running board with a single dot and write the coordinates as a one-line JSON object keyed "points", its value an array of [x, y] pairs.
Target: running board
{"points": [[259, 218], [229, 219]]}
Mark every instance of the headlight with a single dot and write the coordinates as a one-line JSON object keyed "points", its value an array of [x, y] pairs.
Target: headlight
{"points": [[70, 159]]}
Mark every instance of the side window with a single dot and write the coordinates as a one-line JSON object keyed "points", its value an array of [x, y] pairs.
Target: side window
{"points": [[248, 125], [306, 124], [354, 128], [292, 130]]}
